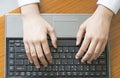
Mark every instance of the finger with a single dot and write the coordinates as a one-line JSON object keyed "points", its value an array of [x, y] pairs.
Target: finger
{"points": [[28, 51], [89, 51], [53, 38], [96, 52], [40, 54], [102, 49], [34, 55], [83, 48], [46, 50], [80, 35]]}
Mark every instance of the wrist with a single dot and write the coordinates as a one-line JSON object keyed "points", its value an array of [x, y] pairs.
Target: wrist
{"points": [[30, 10], [104, 12]]}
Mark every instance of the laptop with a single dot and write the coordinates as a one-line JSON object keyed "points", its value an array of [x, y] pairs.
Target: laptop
{"points": [[64, 63]]}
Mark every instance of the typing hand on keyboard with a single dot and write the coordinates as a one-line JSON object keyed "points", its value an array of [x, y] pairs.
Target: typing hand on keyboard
{"points": [[35, 30], [96, 35]]}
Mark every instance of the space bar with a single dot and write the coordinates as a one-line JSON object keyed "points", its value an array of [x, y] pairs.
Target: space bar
{"points": [[66, 43]]}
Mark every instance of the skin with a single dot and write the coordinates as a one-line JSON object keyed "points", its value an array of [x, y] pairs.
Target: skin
{"points": [[95, 31], [35, 30]]}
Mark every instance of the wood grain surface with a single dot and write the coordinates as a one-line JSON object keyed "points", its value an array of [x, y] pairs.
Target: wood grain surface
{"points": [[73, 6]]}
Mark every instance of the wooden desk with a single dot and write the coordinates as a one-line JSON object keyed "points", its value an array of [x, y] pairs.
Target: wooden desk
{"points": [[73, 6]]}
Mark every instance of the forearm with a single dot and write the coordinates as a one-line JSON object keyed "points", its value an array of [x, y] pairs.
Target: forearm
{"points": [[30, 10]]}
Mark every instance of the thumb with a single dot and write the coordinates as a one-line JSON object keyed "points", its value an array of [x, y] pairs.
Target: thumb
{"points": [[53, 38], [80, 34]]}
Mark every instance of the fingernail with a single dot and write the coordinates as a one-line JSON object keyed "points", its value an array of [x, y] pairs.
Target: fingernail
{"points": [[77, 43], [89, 62], [76, 57], [50, 61], [45, 65], [55, 46], [31, 62], [95, 58], [82, 61], [37, 67]]}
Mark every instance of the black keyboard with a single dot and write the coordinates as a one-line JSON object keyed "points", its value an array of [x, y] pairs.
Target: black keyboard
{"points": [[64, 63]]}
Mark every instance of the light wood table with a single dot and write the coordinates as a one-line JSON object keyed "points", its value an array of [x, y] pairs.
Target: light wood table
{"points": [[73, 6]]}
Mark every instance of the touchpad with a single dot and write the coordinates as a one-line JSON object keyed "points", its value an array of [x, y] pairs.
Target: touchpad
{"points": [[66, 28]]}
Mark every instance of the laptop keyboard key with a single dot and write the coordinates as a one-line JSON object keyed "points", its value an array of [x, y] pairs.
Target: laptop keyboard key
{"points": [[20, 68]]}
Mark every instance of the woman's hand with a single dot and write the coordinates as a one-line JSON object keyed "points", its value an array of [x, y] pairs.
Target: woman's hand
{"points": [[95, 31], [35, 30]]}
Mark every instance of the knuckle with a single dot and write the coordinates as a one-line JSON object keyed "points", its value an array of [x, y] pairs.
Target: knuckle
{"points": [[35, 41], [33, 54], [52, 29], [88, 37], [25, 41], [55, 39], [78, 36], [40, 56], [101, 38], [43, 39], [89, 53], [96, 53], [82, 50], [47, 53], [104, 39], [27, 52], [81, 27]]}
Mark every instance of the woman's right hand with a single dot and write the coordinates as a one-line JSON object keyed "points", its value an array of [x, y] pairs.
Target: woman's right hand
{"points": [[35, 31]]}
